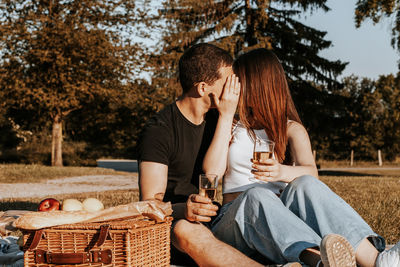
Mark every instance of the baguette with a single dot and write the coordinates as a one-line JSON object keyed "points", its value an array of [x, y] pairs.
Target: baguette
{"points": [[153, 209]]}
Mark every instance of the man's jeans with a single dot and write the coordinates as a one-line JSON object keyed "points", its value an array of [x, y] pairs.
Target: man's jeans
{"points": [[280, 228]]}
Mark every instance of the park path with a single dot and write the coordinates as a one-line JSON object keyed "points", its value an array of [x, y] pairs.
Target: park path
{"points": [[78, 184]]}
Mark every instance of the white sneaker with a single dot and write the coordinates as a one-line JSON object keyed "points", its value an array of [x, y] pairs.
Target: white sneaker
{"points": [[390, 257], [336, 251]]}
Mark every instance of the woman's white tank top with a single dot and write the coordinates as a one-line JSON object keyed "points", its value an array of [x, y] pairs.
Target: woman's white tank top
{"points": [[240, 153]]}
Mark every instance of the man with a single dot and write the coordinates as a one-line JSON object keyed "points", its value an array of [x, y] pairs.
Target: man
{"points": [[173, 146]]}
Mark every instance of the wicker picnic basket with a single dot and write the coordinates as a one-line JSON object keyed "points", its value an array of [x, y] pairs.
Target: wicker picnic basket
{"points": [[134, 242]]}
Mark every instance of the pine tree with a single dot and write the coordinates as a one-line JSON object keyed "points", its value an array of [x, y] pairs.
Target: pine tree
{"points": [[241, 25]]}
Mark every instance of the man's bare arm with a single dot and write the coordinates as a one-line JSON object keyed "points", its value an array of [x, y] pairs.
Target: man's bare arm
{"points": [[153, 179]]}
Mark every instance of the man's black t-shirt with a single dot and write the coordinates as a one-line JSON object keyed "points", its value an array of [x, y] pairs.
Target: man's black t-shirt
{"points": [[169, 138]]}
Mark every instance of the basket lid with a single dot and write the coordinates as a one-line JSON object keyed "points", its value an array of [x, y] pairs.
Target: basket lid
{"points": [[128, 223]]}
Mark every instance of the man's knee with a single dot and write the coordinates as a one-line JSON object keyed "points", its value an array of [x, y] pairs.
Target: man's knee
{"points": [[186, 234]]}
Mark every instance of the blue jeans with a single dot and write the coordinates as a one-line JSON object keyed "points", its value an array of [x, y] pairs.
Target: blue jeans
{"points": [[280, 228]]}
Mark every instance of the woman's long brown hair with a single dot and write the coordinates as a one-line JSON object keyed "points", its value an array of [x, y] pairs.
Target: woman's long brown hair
{"points": [[265, 101]]}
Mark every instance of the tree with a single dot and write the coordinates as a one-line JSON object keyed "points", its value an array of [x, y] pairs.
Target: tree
{"points": [[376, 10], [388, 125], [241, 25], [372, 117], [113, 127], [58, 56], [362, 108]]}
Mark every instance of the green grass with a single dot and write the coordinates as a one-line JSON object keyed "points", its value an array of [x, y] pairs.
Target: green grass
{"points": [[21, 173]]}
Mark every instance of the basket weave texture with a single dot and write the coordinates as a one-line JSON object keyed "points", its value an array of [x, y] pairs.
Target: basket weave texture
{"points": [[134, 242]]}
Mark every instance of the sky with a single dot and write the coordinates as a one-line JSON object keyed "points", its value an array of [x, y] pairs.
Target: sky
{"points": [[367, 49]]}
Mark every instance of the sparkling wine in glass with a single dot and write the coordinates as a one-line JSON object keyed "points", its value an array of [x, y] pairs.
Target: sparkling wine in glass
{"points": [[263, 149], [208, 184]]}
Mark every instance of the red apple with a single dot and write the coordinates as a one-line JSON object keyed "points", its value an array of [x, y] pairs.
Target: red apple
{"points": [[49, 204]]}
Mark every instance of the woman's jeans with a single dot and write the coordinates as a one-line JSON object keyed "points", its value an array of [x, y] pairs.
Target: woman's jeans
{"points": [[280, 228]]}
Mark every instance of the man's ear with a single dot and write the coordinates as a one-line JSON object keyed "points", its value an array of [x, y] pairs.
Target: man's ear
{"points": [[201, 88]]}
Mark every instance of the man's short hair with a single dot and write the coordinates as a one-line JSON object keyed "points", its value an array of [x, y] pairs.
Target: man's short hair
{"points": [[200, 63]]}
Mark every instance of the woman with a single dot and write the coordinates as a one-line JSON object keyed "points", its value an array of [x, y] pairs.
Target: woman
{"points": [[287, 218]]}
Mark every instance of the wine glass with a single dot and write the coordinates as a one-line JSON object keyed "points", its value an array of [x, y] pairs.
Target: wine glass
{"points": [[263, 149], [208, 184]]}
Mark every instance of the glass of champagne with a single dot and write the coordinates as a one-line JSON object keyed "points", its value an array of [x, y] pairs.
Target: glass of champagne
{"points": [[263, 149], [208, 184]]}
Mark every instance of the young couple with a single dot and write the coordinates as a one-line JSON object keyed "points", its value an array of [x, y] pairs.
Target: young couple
{"points": [[292, 218]]}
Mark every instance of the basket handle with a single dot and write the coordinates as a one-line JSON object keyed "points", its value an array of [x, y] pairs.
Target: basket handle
{"points": [[36, 239], [100, 256]]}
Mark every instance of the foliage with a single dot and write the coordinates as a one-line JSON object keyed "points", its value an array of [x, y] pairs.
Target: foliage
{"points": [[388, 125], [323, 114], [371, 117], [376, 10], [112, 128], [58, 56]]}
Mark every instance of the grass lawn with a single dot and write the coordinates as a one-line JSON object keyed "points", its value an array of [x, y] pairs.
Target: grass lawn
{"points": [[376, 199], [375, 196]]}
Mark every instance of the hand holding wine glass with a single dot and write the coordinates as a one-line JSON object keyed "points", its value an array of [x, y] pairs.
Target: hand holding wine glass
{"points": [[262, 154], [199, 207]]}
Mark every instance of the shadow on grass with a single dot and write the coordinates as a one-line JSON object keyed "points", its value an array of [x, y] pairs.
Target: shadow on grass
{"points": [[344, 173], [18, 205]]}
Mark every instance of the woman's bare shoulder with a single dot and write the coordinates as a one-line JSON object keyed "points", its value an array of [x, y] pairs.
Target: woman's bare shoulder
{"points": [[296, 129]]}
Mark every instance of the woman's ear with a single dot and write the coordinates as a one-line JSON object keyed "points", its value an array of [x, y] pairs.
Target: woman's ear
{"points": [[201, 88]]}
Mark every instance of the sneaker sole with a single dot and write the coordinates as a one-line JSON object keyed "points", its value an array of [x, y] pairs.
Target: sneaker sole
{"points": [[336, 251], [292, 264]]}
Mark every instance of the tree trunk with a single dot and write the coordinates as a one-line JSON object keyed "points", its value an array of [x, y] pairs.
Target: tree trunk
{"points": [[56, 142]]}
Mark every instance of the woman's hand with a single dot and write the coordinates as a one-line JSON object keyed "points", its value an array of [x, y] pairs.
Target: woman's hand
{"points": [[267, 170], [229, 98]]}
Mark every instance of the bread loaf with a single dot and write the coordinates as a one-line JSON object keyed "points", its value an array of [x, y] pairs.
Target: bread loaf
{"points": [[153, 209]]}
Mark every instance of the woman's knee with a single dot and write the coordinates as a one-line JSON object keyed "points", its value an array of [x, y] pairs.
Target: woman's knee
{"points": [[304, 183]]}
